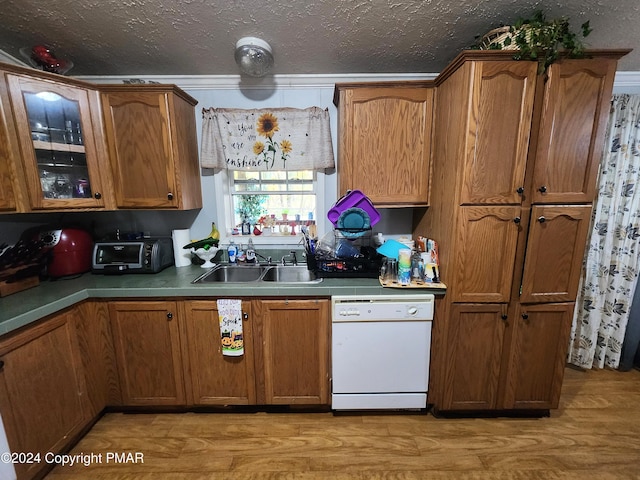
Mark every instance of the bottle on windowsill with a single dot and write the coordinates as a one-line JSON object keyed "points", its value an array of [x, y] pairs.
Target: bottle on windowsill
{"points": [[246, 226]]}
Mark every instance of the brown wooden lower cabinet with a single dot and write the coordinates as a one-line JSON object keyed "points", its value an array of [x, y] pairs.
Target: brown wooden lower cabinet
{"points": [[147, 343], [43, 395], [292, 351], [472, 361], [538, 355], [286, 354], [498, 357], [93, 327], [217, 379]]}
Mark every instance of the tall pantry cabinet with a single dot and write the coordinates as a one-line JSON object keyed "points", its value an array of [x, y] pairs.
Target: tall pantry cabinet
{"points": [[515, 161]]}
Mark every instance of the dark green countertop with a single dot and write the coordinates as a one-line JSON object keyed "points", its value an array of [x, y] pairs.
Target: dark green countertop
{"points": [[49, 297]]}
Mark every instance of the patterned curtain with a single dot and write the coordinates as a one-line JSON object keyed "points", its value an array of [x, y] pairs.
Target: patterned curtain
{"points": [[611, 263], [271, 139]]}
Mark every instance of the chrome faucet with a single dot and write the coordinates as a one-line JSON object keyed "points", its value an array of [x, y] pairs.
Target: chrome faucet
{"points": [[266, 259], [294, 259]]}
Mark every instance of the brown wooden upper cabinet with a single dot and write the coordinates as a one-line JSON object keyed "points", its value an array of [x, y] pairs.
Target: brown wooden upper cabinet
{"points": [[499, 114], [72, 145], [574, 117], [10, 189], [55, 124], [384, 146], [151, 137]]}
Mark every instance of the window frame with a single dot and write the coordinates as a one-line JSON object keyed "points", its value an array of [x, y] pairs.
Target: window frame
{"points": [[224, 209]]}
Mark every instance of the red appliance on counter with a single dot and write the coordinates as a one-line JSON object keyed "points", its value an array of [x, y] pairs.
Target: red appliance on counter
{"points": [[71, 250]]}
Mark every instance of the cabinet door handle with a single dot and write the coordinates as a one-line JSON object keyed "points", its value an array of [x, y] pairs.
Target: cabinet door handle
{"points": [[170, 196], [97, 195], [1, 365], [245, 315], [542, 219], [169, 315], [525, 316], [520, 190], [517, 220], [542, 189]]}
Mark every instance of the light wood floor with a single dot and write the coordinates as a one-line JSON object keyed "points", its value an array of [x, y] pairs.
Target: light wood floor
{"points": [[594, 435]]}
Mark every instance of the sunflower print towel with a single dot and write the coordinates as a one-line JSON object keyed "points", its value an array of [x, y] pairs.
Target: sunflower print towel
{"points": [[274, 139], [230, 318]]}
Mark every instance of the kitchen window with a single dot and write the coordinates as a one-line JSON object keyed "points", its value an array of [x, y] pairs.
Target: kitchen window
{"points": [[278, 201]]}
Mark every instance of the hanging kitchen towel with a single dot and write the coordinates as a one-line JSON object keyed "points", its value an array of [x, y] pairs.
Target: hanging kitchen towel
{"points": [[230, 317], [266, 139]]}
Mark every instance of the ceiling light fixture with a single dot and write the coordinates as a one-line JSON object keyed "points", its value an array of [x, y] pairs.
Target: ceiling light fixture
{"points": [[254, 56]]}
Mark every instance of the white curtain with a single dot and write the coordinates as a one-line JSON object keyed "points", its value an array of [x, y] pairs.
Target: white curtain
{"points": [[266, 139], [611, 263]]}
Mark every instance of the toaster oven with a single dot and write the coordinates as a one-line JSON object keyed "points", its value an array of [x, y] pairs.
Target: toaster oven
{"points": [[146, 255]]}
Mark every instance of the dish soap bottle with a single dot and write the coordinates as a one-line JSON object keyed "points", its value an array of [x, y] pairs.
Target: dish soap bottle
{"points": [[232, 250], [251, 252]]}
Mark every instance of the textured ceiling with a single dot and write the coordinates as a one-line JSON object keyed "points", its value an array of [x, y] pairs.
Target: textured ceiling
{"points": [[197, 37]]}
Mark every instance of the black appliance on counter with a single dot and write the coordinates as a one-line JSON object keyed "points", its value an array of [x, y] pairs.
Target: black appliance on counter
{"points": [[143, 255]]}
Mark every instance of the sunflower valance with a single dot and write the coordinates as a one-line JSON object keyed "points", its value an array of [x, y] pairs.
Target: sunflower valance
{"points": [[266, 139]]}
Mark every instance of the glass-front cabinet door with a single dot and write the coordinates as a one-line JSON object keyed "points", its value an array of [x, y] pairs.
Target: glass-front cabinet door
{"points": [[57, 143]]}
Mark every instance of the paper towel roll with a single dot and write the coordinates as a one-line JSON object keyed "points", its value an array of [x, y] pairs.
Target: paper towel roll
{"points": [[181, 257]]}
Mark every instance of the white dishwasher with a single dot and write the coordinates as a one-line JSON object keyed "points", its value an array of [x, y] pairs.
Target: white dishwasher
{"points": [[380, 350]]}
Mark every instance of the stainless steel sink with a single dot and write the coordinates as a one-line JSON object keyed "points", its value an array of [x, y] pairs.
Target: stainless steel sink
{"points": [[225, 273], [232, 274], [290, 274]]}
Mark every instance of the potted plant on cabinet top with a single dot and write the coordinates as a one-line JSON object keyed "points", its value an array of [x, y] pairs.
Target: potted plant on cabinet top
{"points": [[537, 38]]}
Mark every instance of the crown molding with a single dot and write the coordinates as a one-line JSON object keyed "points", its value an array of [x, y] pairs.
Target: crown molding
{"points": [[222, 82], [6, 58], [623, 80], [626, 80]]}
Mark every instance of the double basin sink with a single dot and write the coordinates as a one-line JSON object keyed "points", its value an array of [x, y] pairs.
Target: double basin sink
{"points": [[226, 273]]}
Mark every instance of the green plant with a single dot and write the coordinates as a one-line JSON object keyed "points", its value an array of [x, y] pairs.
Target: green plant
{"points": [[250, 207], [539, 39]]}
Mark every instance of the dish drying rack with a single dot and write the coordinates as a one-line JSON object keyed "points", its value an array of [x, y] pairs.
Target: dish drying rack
{"points": [[342, 264]]}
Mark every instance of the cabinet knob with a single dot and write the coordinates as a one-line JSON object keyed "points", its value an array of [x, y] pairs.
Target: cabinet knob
{"points": [[97, 195], [542, 189], [520, 190], [525, 316], [245, 315], [169, 196], [1, 365], [517, 220], [169, 315], [542, 219], [504, 316]]}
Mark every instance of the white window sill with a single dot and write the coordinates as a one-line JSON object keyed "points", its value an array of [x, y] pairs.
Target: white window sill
{"points": [[264, 239]]}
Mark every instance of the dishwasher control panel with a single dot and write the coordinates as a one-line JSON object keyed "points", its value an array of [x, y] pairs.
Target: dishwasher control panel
{"points": [[349, 308]]}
